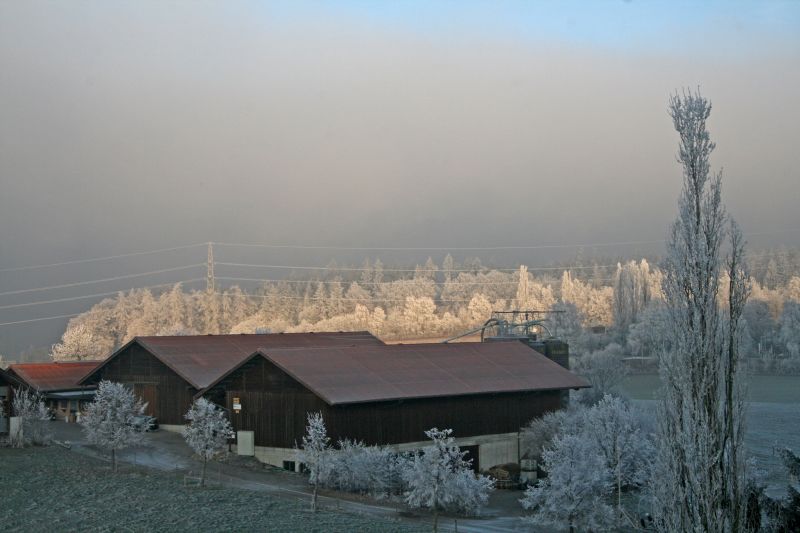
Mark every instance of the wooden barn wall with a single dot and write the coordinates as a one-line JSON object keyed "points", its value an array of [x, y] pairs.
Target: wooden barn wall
{"points": [[168, 394], [274, 406], [7, 402]]}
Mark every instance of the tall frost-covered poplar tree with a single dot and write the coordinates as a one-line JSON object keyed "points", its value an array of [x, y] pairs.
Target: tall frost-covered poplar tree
{"points": [[699, 483], [110, 420], [208, 431]]}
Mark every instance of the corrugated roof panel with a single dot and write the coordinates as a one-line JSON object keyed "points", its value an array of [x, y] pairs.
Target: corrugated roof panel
{"points": [[201, 359], [355, 374], [47, 377]]}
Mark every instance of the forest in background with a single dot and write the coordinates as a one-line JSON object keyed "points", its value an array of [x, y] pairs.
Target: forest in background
{"points": [[601, 307]]}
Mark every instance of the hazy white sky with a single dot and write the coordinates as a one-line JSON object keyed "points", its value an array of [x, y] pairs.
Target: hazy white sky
{"points": [[134, 125]]}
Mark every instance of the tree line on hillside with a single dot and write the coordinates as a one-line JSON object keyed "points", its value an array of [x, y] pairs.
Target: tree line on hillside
{"points": [[433, 301]]}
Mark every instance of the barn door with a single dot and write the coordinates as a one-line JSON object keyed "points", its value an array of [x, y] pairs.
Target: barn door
{"points": [[148, 392], [472, 453], [4, 409]]}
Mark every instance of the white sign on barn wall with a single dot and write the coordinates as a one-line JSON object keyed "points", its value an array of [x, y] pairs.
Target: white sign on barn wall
{"points": [[237, 405]]}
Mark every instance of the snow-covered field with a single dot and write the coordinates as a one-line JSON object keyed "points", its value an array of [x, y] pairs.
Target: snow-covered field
{"points": [[773, 419], [52, 489]]}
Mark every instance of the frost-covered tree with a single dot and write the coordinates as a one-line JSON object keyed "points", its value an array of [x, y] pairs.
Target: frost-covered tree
{"points": [[783, 514], [479, 309], [761, 326], [531, 294], [34, 416], [594, 305], [790, 328], [208, 431], [615, 437], [625, 449], [793, 289], [439, 478], [418, 316], [651, 334], [448, 267], [631, 294], [566, 322], [699, 481], [605, 371], [110, 421], [538, 434], [315, 454], [574, 494], [79, 343]]}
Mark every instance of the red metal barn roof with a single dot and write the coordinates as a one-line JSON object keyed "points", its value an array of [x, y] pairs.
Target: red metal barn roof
{"points": [[47, 377], [201, 359], [342, 375]]}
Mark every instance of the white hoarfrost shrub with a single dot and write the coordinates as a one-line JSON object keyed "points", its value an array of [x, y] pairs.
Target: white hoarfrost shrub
{"points": [[372, 470], [208, 431], [110, 421], [574, 493], [316, 454], [439, 478], [29, 406]]}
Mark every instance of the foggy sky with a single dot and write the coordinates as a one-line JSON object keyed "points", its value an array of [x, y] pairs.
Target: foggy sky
{"points": [[128, 126]]}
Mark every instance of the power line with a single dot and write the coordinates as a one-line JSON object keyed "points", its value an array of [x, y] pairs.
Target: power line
{"points": [[380, 283], [461, 300], [38, 319], [472, 248], [420, 270], [129, 276], [433, 248], [97, 295], [108, 257], [364, 248]]}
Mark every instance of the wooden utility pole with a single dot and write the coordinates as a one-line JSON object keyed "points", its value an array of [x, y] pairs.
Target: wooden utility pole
{"points": [[210, 269]]}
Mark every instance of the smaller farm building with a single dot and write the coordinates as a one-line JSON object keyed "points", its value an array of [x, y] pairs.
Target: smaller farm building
{"points": [[58, 383], [391, 394], [167, 372], [7, 384]]}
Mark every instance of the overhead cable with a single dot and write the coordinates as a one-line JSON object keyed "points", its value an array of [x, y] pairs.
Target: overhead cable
{"points": [[115, 278], [108, 257], [97, 295]]}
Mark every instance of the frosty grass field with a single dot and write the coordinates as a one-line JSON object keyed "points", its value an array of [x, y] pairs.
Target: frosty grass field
{"points": [[52, 489], [773, 419]]}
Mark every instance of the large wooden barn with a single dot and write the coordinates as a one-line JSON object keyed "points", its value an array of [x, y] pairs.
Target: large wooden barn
{"points": [[167, 372], [391, 394], [58, 383]]}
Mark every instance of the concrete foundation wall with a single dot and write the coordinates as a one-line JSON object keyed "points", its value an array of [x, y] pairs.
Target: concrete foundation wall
{"points": [[272, 456], [15, 430], [174, 428], [492, 450]]}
